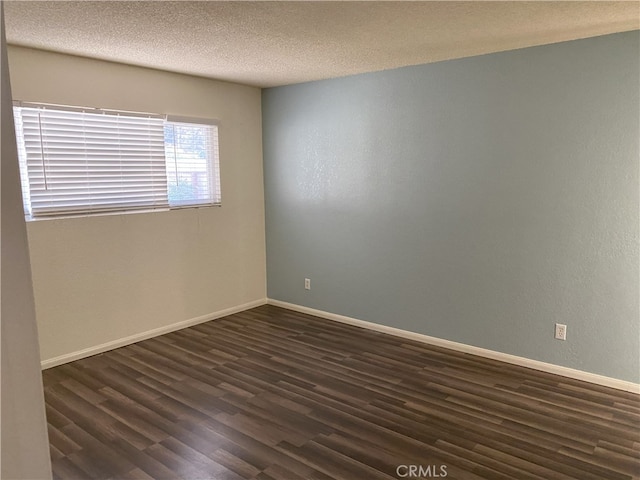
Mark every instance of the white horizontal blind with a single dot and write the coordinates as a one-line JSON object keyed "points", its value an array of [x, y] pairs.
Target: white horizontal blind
{"points": [[84, 161], [22, 159], [191, 151]]}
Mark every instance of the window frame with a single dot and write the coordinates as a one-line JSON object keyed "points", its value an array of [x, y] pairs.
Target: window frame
{"points": [[212, 165]]}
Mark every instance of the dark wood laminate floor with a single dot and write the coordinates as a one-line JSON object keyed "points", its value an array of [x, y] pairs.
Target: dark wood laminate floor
{"points": [[273, 394]]}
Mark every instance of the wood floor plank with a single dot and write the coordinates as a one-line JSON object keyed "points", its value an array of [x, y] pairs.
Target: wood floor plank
{"points": [[64, 468], [271, 394], [235, 464], [251, 450]]}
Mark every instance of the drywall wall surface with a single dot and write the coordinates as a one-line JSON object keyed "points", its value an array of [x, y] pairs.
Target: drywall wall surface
{"points": [[25, 445], [102, 278], [479, 200]]}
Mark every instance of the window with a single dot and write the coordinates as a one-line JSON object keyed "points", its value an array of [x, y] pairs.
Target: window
{"points": [[80, 161], [188, 150]]}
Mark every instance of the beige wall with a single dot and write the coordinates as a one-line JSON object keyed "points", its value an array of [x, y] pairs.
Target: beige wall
{"points": [[25, 449], [100, 279]]}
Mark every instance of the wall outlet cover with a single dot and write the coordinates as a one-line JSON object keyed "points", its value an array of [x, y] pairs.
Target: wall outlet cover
{"points": [[561, 331]]}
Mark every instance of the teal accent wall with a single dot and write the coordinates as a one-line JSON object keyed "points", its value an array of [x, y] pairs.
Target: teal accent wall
{"points": [[478, 200]]}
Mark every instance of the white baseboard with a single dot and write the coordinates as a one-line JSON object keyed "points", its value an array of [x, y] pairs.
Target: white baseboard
{"points": [[461, 347], [121, 342]]}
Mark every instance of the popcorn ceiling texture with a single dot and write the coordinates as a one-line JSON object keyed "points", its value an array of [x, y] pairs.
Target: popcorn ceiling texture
{"points": [[277, 43]]}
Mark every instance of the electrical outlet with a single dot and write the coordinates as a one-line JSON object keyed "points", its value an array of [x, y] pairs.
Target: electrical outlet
{"points": [[307, 284], [561, 331]]}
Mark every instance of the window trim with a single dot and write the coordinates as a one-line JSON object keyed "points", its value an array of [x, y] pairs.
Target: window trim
{"points": [[193, 120]]}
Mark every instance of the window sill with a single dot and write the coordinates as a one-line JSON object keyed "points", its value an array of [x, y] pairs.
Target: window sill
{"points": [[29, 218]]}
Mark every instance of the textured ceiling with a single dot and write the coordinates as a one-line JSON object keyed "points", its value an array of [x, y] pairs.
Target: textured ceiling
{"points": [[279, 43]]}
